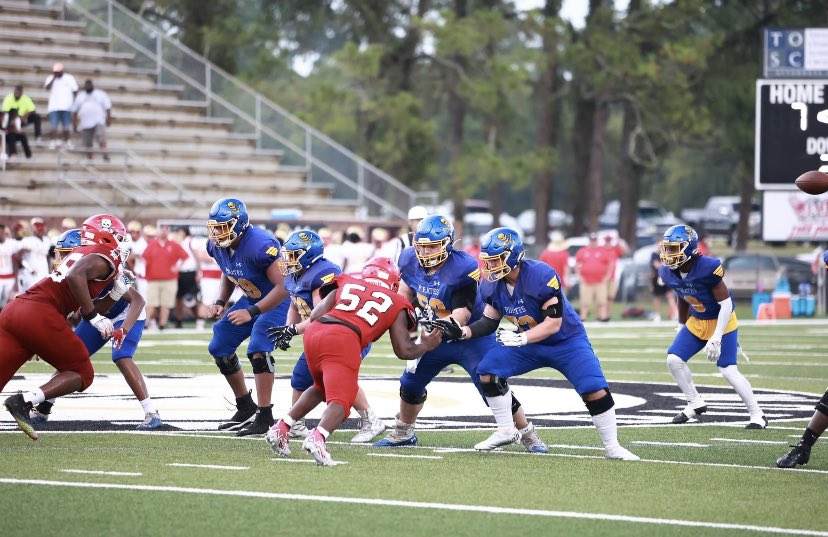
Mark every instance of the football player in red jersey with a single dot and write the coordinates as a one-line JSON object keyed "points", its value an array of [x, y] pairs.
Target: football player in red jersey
{"points": [[345, 322], [35, 322]]}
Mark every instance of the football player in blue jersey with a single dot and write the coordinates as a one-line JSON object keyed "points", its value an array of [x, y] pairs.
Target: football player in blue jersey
{"points": [[549, 334], [801, 452], [706, 322], [306, 271], [121, 303], [249, 258], [442, 280]]}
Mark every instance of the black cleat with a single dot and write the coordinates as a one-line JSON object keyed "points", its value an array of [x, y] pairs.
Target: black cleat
{"points": [[757, 425], [261, 424], [683, 417], [19, 409], [800, 454], [245, 410]]}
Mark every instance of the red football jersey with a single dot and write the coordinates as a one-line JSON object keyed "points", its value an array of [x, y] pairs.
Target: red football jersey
{"points": [[54, 289], [371, 308]]}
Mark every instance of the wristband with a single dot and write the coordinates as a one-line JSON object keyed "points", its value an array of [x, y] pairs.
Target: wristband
{"points": [[254, 311], [219, 302], [89, 316]]}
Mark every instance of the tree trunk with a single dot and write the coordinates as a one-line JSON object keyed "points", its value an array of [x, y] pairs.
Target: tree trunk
{"points": [[627, 191], [746, 190], [595, 174], [457, 118], [582, 128]]}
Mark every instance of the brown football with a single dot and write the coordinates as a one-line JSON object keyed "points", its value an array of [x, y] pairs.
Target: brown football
{"points": [[813, 182]]}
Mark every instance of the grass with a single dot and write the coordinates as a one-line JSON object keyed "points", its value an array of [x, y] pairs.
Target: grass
{"points": [[698, 474]]}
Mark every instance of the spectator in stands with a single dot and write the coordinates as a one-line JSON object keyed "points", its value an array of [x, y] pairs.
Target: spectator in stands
{"points": [[356, 251], [92, 115], [13, 131], [62, 89], [556, 255], [473, 249], [593, 265], [415, 216], [135, 261], [8, 249], [163, 258], [189, 279], [34, 256], [26, 109], [20, 230]]}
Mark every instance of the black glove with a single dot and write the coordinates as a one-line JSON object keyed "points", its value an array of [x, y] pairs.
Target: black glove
{"points": [[281, 335], [449, 327]]}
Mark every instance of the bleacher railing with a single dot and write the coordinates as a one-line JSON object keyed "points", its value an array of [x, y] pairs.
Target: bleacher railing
{"points": [[377, 194]]}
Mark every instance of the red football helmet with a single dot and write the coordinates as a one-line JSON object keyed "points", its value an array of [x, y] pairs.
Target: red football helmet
{"points": [[382, 271], [103, 229]]}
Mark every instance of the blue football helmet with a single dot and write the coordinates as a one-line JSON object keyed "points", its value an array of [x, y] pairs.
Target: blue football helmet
{"points": [[301, 249], [433, 240], [228, 220], [679, 244], [67, 242], [501, 250]]}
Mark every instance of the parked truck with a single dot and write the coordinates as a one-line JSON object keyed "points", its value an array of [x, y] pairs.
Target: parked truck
{"points": [[720, 216]]}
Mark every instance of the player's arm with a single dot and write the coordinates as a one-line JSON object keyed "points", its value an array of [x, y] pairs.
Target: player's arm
{"points": [[552, 310], [683, 309], [404, 347], [136, 305], [88, 267], [462, 303], [484, 326], [215, 310], [323, 307], [276, 296], [407, 292]]}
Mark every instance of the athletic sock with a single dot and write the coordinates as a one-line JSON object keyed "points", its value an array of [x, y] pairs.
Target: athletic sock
{"points": [[809, 438], [501, 406], [148, 406], [35, 397], [684, 380], [743, 388], [324, 432], [607, 428]]}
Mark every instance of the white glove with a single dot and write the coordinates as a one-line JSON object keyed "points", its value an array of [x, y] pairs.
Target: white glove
{"points": [[508, 338], [713, 348], [103, 325], [678, 327], [411, 365], [122, 284]]}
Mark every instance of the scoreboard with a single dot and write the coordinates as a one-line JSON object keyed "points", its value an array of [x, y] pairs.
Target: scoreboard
{"points": [[791, 131]]}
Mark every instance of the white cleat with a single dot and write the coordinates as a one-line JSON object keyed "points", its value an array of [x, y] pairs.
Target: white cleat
{"points": [[369, 429], [277, 439], [315, 445], [299, 430], [617, 452], [499, 438]]}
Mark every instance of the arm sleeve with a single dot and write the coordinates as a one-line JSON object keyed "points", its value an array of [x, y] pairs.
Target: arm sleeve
{"points": [[464, 297], [483, 326]]}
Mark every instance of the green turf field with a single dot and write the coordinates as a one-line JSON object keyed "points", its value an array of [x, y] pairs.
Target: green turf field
{"points": [[704, 479]]}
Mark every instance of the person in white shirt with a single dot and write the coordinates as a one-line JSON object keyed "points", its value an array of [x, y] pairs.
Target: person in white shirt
{"points": [[62, 89], [397, 245], [34, 256], [188, 294], [356, 251], [8, 248], [92, 114], [136, 262]]}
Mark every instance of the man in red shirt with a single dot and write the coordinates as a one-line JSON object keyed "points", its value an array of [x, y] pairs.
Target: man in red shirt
{"points": [[615, 249], [162, 257], [34, 323], [556, 255], [594, 266], [353, 313]]}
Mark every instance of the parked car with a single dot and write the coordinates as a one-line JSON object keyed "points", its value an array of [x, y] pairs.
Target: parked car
{"points": [[749, 273], [720, 216], [653, 219], [557, 220]]}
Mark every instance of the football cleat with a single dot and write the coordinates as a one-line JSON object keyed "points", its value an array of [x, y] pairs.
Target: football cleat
{"points": [[499, 438], [800, 454], [315, 445], [277, 439], [370, 427], [617, 452], [19, 409], [38, 416], [690, 412], [260, 424], [402, 435], [532, 442], [759, 422], [299, 430], [152, 420], [245, 412]]}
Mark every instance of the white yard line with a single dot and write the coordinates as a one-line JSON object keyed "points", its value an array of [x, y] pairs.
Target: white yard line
{"points": [[747, 441], [403, 456], [488, 509], [671, 444], [209, 466], [283, 459], [101, 472]]}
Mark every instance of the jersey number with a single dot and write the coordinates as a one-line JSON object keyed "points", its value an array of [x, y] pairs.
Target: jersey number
{"points": [[695, 303], [523, 323], [434, 303], [247, 286], [59, 274], [302, 307], [365, 312]]}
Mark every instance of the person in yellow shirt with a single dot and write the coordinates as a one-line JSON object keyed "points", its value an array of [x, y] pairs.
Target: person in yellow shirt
{"points": [[26, 109]]}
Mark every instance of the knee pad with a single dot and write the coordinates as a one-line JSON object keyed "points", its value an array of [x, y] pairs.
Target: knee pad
{"points": [[729, 373], [599, 406], [673, 360], [515, 403], [227, 364], [413, 398], [822, 405], [262, 362], [495, 387]]}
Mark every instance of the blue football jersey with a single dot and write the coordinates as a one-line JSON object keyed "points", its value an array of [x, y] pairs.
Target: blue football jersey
{"points": [[118, 307], [301, 288], [536, 284], [696, 287], [247, 265], [437, 289]]}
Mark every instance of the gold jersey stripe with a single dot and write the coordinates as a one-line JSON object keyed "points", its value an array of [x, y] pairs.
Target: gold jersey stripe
{"points": [[554, 283]]}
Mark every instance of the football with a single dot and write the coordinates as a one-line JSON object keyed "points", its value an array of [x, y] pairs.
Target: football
{"points": [[812, 182]]}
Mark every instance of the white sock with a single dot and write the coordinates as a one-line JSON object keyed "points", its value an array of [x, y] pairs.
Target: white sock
{"points": [[288, 420], [324, 432], [148, 406], [501, 407], [742, 386], [528, 429], [52, 400], [681, 374], [35, 397], [363, 413], [605, 423]]}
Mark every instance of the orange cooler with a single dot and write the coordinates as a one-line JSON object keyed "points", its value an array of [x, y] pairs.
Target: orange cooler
{"points": [[782, 305]]}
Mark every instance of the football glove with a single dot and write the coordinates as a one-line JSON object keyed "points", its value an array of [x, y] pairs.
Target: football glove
{"points": [[713, 348], [118, 336], [281, 335], [103, 325], [508, 338], [121, 284], [449, 327]]}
